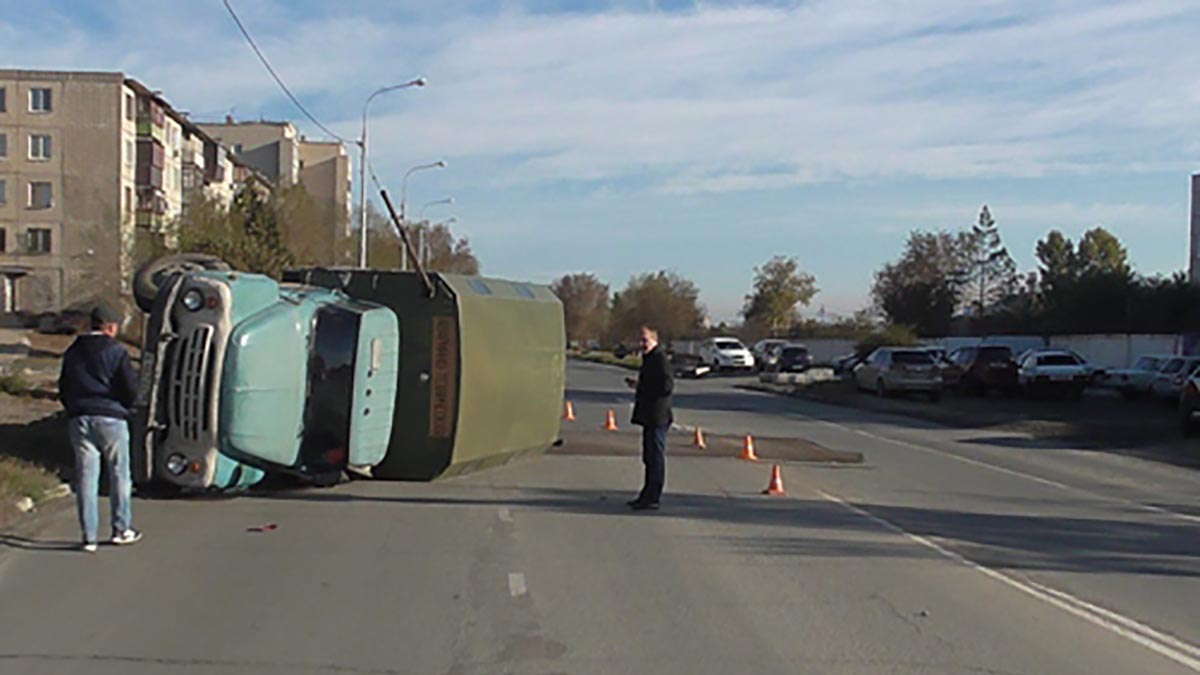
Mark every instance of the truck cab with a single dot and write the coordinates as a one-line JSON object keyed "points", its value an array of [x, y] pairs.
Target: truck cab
{"points": [[242, 375]]}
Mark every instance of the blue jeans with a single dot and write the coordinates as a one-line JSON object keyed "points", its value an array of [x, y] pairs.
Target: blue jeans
{"points": [[94, 437], [654, 456]]}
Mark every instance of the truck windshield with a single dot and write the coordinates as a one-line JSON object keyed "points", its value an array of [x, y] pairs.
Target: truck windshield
{"points": [[325, 442]]}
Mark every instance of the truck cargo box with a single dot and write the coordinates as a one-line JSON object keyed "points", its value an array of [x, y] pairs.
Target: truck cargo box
{"points": [[482, 367]]}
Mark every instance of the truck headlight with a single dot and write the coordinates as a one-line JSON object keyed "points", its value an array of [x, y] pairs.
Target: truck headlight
{"points": [[177, 464], [193, 300]]}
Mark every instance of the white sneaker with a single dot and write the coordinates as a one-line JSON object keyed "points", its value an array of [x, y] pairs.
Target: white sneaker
{"points": [[127, 537], [89, 548]]}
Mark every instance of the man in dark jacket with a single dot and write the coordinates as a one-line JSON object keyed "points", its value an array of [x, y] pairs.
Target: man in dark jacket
{"points": [[652, 410], [98, 387]]}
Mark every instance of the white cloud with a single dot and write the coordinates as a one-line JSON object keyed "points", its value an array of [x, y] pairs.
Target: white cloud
{"points": [[714, 99]]}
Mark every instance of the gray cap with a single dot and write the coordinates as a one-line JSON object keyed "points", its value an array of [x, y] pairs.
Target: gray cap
{"points": [[105, 314]]}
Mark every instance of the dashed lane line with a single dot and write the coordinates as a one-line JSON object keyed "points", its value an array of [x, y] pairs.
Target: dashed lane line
{"points": [[516, 585]]}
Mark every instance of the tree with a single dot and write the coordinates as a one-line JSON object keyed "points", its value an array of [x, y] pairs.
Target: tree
{"points": [[991, 274], [247, 234], [923, 288], [443, 251], [1101, 253], [663, 300], [586, 305], [779, 286]]}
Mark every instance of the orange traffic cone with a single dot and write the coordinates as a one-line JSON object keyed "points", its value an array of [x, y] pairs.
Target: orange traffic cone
{"points": [[698, 440], [775, 487], [569, 414], [610, 424], [748, 449]]}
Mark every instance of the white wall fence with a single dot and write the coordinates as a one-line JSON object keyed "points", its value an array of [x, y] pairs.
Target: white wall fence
{"points": [[1106, 351]]}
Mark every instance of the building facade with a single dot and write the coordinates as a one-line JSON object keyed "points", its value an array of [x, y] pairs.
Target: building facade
{"points": [[282, 156], [87, 161], [1194, 258]]}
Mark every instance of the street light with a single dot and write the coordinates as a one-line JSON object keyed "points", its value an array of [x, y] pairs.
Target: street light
{"points": [[421, 213], [440, 164], [422, 254], [362, 166]]}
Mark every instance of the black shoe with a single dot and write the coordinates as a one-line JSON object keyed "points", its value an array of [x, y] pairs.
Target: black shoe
{"points": [[635, 501], [644, 506]]}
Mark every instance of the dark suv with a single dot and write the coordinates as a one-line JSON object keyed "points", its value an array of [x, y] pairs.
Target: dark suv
{"points": [[979, 369]]}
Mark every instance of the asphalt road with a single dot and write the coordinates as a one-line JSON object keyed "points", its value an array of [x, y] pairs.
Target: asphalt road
{"points": [[947, 551]]}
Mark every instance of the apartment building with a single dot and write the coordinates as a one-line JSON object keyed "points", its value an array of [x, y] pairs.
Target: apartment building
{"points": [[1194, 258], [283, 156], [87, 161]]}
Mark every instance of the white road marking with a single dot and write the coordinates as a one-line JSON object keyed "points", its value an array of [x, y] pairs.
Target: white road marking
{"points": [[516, 584], [1181, 652], [506, 515], [1012, 472]]}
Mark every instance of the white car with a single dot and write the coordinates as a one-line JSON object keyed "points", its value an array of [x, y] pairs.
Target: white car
{"points": [[725, 353], [1169, 380], [1134, 382], [1053, 369]]}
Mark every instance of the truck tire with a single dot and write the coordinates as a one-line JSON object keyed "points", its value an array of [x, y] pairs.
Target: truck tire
{"points": [[150, 277]]}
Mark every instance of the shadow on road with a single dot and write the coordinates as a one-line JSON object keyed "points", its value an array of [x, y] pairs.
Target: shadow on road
{"points": [[1005, 541], [28, 544]]}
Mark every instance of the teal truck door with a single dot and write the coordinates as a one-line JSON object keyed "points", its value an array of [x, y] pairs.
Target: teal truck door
{"points": [[376, 370]]}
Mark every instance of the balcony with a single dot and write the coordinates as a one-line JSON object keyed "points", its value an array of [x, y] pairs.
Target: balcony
{"points": [[148, 129]]}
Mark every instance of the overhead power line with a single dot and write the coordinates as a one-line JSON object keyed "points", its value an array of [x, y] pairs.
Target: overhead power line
{"points": [[262, 57]]}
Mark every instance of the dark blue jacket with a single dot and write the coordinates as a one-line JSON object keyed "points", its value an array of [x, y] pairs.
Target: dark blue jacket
{"points": [[97, 378]]}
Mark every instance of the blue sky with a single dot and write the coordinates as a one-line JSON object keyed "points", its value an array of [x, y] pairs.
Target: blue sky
{"points": [[704, 137]]}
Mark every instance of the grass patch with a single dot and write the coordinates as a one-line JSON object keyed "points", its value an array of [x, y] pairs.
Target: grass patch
{"points": [[19, 478], [631, 362], [15, 384]]}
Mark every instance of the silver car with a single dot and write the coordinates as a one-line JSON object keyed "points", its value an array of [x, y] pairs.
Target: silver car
{"points": [[899, 369], [1169, 380]]}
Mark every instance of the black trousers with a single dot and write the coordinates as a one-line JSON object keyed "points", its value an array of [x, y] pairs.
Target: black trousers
{"points": [[654, 456]]}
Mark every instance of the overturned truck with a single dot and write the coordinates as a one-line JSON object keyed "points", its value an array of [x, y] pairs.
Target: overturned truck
{"points": [[395, 375]]}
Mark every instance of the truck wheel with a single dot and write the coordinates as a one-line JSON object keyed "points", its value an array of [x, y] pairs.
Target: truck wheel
{"points": [[935, 396], [150, 277]]}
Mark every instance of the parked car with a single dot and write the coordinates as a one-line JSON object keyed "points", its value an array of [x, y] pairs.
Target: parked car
{"points": [[764, 351], [1134, 382], [1042, 371], [789, 359], [900, 369], [981, 368], [843, 366], [1189, 406], [726, 353], [1169, 380]]}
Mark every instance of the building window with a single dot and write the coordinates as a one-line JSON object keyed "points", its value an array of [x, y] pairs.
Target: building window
{"points": [[130, 109], [237, 148], [39, 100], [3, 240], [40, 195], [128, 200], [3, 100], [130, 153], [39, 146], [3, 146], [3, 192], [37, 240]]}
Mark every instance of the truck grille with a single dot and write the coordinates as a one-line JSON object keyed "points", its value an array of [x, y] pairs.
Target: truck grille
{"points": [[188, 396]]}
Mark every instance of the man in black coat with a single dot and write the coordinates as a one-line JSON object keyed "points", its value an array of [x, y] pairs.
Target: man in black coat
{"points": [[652, 410]]}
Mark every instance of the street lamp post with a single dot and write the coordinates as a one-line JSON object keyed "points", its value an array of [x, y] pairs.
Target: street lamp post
{"points": [[440, 164], [422, 254], [362, 167]]}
